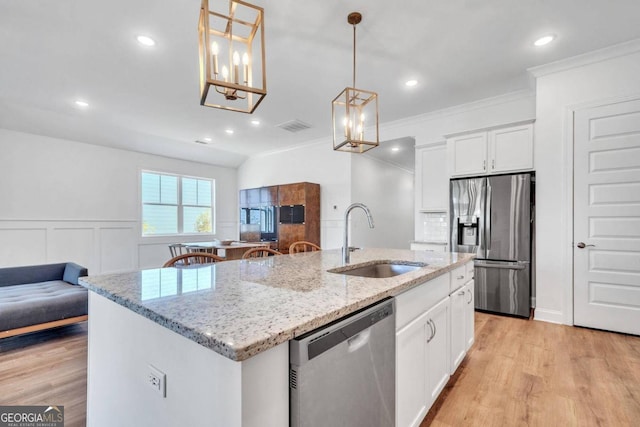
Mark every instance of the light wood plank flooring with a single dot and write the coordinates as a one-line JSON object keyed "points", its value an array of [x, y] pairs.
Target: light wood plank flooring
{"points": [[47, 368], [528, 373], [518, 373]]}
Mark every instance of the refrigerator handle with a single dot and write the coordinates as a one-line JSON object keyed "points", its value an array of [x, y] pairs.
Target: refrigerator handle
{"points": [[487, 220]]}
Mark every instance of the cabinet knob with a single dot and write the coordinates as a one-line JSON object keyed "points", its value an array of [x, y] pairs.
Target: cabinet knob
{"points": [[460, 277], [484, 165]]}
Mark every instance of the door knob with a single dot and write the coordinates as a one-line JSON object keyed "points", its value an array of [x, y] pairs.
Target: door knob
{"points": [[581, 245]]}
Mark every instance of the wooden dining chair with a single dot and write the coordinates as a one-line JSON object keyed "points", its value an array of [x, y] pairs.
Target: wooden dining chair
{"points": [[177, 249], [259, 253], [192, 258], [303, 246]]}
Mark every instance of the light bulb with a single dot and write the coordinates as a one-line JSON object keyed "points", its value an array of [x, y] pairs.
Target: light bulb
{"points": [[225, 72], [214, 48], [361, 118], [544, 40], [245, 59], [146, 41], [236, 58]]}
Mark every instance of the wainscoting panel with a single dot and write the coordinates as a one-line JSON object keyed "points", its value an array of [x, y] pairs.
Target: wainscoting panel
{"points": [[118, 249], [25, 245], [72, 244], [102, 246]]}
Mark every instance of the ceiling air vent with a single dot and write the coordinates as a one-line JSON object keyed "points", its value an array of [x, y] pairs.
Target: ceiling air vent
{"points": [[294, 125]]}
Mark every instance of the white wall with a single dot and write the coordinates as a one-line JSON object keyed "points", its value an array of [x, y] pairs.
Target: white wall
{"points": [[65, 200], [561, 90], [388, 193], [317, 163], [431, 128]]}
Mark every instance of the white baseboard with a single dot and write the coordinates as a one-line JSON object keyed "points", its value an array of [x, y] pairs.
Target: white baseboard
{"points": [[551, 316]]}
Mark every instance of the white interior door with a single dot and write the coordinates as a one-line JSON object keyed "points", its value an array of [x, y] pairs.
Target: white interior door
{"points": [[606, 233]]}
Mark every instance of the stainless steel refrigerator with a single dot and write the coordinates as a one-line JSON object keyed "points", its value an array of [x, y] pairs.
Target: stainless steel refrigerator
{"points": [[492, 217]]}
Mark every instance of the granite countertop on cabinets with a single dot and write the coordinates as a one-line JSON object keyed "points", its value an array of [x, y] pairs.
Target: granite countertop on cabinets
{"points": [[430, 242], [241, 308]]}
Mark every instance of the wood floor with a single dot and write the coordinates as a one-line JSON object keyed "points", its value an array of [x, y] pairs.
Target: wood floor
{"points": [[528, 373], [47, 368], [518, 373]]}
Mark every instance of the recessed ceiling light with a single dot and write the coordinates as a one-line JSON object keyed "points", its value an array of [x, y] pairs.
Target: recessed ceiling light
{"points": [[544, 40], [81, 103], [395, 149], [411, 83], [255, 122], [146, 41], [229, 131]]}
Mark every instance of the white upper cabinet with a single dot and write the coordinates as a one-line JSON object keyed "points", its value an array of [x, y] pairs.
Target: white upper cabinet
{"points": [[468, 154], [511, 149], [497, 150], [432, 178]]}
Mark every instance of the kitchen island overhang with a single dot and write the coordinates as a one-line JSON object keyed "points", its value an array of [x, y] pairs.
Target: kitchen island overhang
{"points": [[220, 333]]}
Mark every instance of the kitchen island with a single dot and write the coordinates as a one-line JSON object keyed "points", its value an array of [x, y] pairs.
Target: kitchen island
{"points": [[217, 336]]}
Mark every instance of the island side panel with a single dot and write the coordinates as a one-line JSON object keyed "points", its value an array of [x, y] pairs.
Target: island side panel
{"points": [[202, 387]]}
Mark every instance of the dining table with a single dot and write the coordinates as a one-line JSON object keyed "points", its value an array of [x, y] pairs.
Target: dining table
{"points": [[232, 251]]}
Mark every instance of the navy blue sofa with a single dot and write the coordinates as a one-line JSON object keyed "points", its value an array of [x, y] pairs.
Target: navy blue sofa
{"points": [[39, 297]]}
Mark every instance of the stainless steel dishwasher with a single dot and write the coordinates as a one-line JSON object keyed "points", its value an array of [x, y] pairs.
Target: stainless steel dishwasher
{"points": [[343, 374]]}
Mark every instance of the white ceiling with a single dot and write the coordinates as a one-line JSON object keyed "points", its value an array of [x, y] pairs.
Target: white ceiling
{"points": [[146, 99]]}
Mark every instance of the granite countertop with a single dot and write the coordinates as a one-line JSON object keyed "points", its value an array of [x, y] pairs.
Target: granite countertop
{"points": [[241, 308], [430, 242]]}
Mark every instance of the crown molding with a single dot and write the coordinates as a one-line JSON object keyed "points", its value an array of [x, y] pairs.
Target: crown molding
{"points": [[461, 108], [417, 119], [615, 51]]}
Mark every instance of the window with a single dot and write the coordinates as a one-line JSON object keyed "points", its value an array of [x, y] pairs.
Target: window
{"points": [[173, 204]]}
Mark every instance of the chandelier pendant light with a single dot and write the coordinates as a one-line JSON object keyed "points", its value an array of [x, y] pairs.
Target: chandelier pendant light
{"points": [[232, 59], [355, 111]]}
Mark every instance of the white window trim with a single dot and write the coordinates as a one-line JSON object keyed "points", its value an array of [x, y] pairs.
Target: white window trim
{"points": [[179, 205]]}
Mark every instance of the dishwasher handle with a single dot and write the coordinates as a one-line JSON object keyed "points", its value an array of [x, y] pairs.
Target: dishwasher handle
{"points": [[359, 341]]}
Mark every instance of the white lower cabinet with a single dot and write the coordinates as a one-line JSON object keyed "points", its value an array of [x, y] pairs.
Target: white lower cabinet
{"points": [[458, 326], [462, 313], [434, 330], [411, 372], [438, 351], [422, 361], [470, 312]]}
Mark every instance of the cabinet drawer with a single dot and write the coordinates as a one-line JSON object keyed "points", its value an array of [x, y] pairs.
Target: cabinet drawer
{"points": [[412, 303], [458, 278]]}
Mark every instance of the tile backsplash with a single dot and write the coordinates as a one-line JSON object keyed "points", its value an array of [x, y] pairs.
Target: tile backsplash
{"points": [[435, 226]]}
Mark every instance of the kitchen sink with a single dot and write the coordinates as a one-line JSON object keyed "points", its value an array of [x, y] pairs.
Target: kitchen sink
{"points": [[379, 270]]}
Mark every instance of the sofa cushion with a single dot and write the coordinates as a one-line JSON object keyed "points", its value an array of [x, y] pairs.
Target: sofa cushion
{"points": [[72, 272], [33, 303], [31, 274]]}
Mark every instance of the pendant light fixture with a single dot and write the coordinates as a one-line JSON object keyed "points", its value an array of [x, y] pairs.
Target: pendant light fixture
{"points": [[355, 111], [232, 60]]}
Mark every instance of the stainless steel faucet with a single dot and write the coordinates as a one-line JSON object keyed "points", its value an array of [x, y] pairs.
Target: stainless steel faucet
{"points": [[346, 249]]}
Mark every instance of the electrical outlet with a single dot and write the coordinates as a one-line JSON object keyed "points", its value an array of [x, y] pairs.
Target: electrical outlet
{"points": [[158, 380]]}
